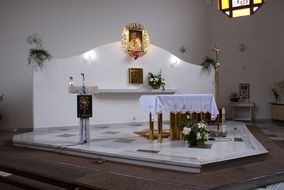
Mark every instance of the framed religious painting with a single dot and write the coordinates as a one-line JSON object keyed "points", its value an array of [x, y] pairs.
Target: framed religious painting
{"points": [[135, 40], [135, 75], [244, 92]]}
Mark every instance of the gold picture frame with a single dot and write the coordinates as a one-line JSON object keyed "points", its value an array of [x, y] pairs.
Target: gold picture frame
{"points": [[135, 75], [135, 40]]}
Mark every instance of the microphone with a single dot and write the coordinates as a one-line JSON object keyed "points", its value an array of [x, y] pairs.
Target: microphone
{"points": [[84, 89]]}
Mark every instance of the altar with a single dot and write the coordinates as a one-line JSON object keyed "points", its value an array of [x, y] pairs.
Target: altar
{"points": [[156, 105]]}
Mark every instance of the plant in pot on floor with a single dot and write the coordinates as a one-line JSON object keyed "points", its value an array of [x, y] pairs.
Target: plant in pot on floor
{"points": [[194, 133]]}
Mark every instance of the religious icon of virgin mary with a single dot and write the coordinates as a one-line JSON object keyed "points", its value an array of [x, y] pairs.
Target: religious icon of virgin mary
{"points": [[135, 43]]}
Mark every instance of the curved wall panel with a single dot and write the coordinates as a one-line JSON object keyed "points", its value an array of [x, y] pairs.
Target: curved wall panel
{"points": [[54, 106]]}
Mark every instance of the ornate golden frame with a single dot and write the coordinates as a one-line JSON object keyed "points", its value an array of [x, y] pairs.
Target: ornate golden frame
{"points": [[135, 75], [134, 27]]}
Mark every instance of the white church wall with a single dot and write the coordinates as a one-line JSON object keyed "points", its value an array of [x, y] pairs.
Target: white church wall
{"points": [[71, 27], [281, 24], [259, 64], [54, 106]]}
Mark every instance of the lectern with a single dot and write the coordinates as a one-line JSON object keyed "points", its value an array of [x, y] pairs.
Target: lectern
{"points": [[84, 112]]}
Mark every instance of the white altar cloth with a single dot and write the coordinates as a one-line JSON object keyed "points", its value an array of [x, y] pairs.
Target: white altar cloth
{"points": [[183, 103]]}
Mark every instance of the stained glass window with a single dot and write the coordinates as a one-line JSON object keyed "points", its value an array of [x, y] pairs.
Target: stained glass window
{"points": [[238, 8], [239, 3]]}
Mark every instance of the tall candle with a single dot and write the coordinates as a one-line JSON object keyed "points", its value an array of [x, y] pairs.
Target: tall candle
{"points": [[223, 111], [223, 115]]}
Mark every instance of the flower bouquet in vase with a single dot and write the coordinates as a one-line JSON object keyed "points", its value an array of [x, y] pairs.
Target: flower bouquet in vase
{"points": [[194, 133], [156, 81]]}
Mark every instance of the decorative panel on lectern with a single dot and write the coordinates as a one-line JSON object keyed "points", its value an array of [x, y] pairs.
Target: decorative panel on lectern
{"points": [[84, 106]]}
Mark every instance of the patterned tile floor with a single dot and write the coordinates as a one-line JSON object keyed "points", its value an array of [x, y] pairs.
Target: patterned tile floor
{"points": [[275, 131], [120, 143]]}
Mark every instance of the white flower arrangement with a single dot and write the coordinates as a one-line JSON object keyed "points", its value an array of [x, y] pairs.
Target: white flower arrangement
{"points": [[193, 132], [156, 80]]}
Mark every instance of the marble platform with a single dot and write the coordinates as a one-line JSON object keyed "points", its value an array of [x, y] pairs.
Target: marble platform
{"points": [[118, 142]]}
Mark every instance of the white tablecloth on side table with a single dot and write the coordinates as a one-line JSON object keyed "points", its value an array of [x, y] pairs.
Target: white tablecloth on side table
{"points": [[183, 103]]}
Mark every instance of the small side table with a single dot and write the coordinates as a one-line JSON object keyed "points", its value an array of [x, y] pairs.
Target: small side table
{"points": [[242, 111]]}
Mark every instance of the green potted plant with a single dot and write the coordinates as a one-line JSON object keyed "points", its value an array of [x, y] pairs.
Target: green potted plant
{"points": [[234, 97], [208, 61], [275, 93], [37, 55]]}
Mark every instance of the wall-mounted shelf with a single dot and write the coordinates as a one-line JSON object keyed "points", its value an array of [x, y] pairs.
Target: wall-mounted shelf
{"points": [[136, 91], [95, 90], [77, 89]]}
